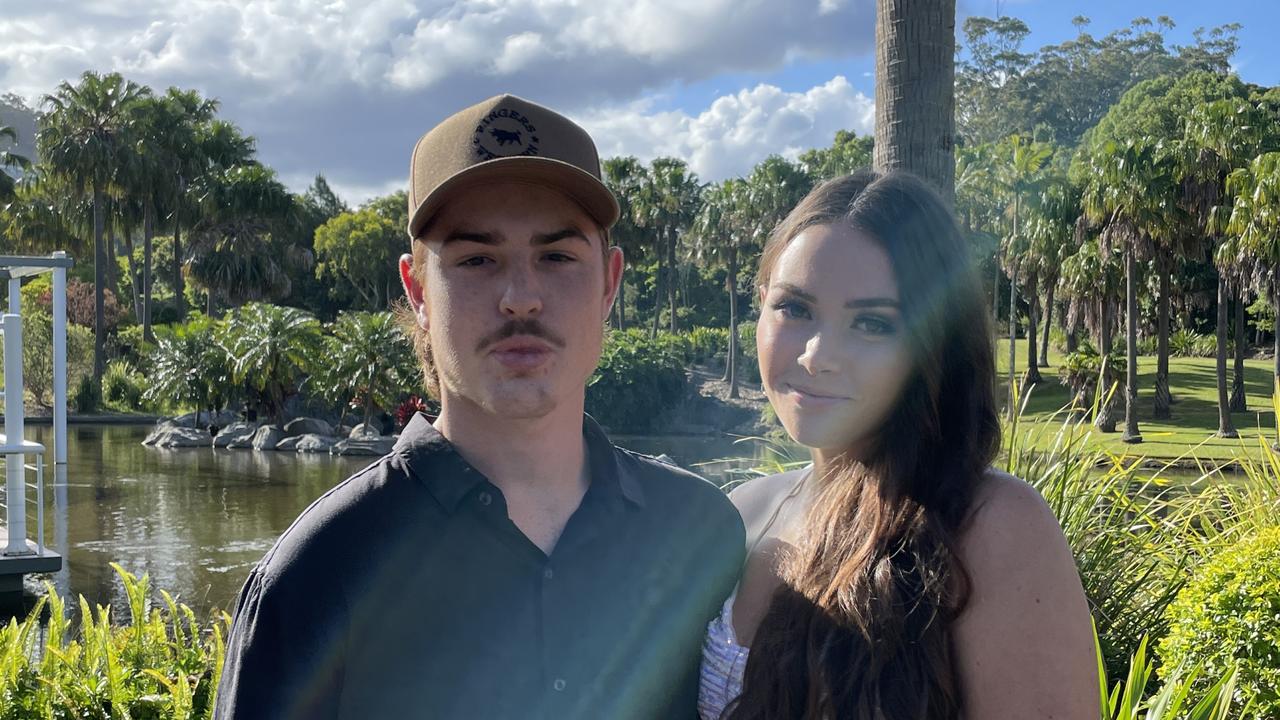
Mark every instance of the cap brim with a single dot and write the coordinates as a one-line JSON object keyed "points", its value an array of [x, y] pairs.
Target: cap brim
{"points": [[579, 185]]}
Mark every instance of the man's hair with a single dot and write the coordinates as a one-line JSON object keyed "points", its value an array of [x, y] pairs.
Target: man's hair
{"points": [[407, 318]]}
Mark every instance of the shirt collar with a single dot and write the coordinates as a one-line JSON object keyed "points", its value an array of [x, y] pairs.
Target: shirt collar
{"points": [[450, 478]]}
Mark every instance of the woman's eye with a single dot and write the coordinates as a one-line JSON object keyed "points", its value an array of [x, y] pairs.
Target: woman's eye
{"points": [[874, 325], [792, 310]]}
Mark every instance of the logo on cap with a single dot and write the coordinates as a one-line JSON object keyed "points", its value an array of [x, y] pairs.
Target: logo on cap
{"points": [[504, 133]]}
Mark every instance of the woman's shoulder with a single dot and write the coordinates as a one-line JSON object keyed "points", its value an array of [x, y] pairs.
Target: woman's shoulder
{"points": [[759, 496], [1001, 499]]}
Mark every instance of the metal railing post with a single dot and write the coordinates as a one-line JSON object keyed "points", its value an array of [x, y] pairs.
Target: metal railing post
{"points": [[14, 464], [60, 363]]}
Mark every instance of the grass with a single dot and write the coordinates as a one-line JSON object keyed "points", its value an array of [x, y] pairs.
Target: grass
{"points": [[1190, 432]]}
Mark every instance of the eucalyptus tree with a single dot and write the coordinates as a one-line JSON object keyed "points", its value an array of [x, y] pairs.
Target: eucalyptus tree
{"points": [[83, 139], [1219, 137], [627, 177]]}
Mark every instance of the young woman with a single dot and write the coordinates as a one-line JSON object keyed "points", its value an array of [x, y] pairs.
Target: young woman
{"points": [[898, 577]]}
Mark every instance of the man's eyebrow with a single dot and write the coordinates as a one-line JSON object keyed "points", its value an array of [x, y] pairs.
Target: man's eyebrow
{"points": [[552, 237], [483, 238]]}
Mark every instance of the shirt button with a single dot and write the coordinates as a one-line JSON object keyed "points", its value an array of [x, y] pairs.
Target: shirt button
{"points": [[558, 684], [485, 499], [548, 573]]}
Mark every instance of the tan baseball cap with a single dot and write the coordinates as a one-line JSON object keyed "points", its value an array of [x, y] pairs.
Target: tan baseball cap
{"points": [[506, 138]]}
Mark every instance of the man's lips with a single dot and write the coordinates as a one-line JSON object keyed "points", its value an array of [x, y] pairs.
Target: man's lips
{"points": [[521, 352]]}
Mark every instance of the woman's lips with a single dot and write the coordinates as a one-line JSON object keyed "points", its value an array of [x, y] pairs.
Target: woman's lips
{"points": [[814, 399]]}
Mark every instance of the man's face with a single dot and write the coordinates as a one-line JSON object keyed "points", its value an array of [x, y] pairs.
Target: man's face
{"points": [[515, 297]]}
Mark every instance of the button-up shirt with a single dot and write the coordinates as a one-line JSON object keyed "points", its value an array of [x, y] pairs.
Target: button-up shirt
{"points": [[407, 592]]}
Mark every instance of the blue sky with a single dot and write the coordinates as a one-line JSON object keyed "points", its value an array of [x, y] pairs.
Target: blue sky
{"points": [[345, 87]]}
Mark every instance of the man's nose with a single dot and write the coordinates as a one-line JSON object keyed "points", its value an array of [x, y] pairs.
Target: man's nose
{"points": [[522, 296]]}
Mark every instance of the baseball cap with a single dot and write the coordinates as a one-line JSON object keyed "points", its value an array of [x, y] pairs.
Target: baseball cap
{"points": [[506, 138]]}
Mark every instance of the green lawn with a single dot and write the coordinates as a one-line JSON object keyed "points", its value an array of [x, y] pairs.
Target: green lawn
{"points": [[1195, 410]]}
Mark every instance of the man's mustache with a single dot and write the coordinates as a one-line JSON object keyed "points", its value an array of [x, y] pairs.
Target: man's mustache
{"points": [[529, 327]]}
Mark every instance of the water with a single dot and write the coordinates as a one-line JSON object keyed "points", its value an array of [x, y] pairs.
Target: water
{"points": [[196, 520]]}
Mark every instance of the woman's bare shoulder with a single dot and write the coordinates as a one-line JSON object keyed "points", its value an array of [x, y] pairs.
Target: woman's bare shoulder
{"points": [[758, 497]]}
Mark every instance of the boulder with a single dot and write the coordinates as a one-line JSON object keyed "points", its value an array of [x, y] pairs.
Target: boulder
{"points": [[202, 419], [173, 436], [307, 426], [375, 446], [288, 444], [267, 437], [312, 443], [364, 431], [238, 434]]}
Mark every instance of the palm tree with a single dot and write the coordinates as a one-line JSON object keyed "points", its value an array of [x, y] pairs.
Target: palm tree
{"points": [[626, 177], [915, 89], [1129, 193], [191, 368], [181, 134], [1219, 137], [235, 254], [1019, 173], [666, 205], [365, 361], [1090, 279], [722, 235], [1255, 220], [10, 159], [271, 347], [83, 140], [1049, 229]]}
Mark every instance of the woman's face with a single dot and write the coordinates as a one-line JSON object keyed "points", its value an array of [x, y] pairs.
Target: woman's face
{"points": [[831, 341]]}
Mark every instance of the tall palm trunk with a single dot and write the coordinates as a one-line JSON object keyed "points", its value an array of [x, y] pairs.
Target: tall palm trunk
{"points": [[1013, 340], [99, 286], [659, 276], [1239, 402], [915, 89], [1048, 323], [1225, 428], [1131, 433], [1106, 419], [179, 286], [135, 277], [148, 232], [672, 280], [1163, 398], [1033, 297], [732, 282]]}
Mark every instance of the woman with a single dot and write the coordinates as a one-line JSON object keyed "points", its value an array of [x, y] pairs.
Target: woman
{"points": [[898, 577]]}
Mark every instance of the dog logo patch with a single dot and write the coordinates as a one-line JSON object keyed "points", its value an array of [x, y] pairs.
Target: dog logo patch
{"points": [[504, 133]]}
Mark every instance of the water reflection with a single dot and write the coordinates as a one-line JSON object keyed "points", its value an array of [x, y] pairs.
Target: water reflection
{"points": [[196, 520]]}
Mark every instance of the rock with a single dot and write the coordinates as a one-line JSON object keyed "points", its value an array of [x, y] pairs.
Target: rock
{"points": [[288, 444], [172, 436], [238, 434], [307, 426], [312, 443], [375, 446], [202, 419], [267, 437], [364, 431]]}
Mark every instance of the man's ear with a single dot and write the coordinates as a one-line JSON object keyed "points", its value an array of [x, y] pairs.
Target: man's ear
{"points": [[764, 291], [614, 262], [413, 290]]}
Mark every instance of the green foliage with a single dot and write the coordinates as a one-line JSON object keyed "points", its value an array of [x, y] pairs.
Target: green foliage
{"points": [[357, 254], [708, 344], [271, 348], [1177, 697], [1262, 314], [37, 355], [368, 362], [1188, 343], [749, 369], [638, 381], [163, 665], [1229, 614], [122, 386], [189, 367]]}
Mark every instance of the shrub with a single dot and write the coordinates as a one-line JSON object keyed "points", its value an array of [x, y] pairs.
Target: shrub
{"points": [[1188, 343], [708, 343], [749, 363], [1229, 613], [37, 355], [637, 382], [163, 664], [87, 396], [80, 305], [122, 386]]}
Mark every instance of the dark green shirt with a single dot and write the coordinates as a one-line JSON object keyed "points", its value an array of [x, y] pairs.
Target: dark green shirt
{"points": [[407, 592]]}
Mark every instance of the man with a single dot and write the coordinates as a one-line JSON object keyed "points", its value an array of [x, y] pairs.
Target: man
{"points": [[507, 562]]}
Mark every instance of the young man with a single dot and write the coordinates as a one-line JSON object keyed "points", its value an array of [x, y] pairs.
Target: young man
{"points": [[507, 562]]}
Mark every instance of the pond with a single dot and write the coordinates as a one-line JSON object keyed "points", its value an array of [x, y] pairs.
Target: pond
{"points": [[197, 520]]}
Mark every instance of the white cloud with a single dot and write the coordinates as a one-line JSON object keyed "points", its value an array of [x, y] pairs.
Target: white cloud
{"points": [[350, 84], [736, 131]]}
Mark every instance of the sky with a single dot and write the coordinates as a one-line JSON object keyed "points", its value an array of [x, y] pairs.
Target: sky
{"points": [[345, 87]]}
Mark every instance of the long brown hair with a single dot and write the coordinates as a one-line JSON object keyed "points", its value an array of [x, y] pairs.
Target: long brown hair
{"points": [[860, 626]]}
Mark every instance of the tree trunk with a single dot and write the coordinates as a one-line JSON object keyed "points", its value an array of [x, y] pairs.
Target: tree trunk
{"points": [[113, 267], [1239, 402], [622, 301], [1073, 335], [135, 278], [179, 286], [1131, 433], [99, 286], [1048, 323], [915, 90], [1106, 419], [1033, 298], [657, 290], [1013, 341], [148, 233], [995, 290], [732, 281], [1163, 398], [1225, 428], [672, 278]]}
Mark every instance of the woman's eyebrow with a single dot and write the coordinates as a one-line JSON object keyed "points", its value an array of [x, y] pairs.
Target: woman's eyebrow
{"points": [[859, 303]]}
